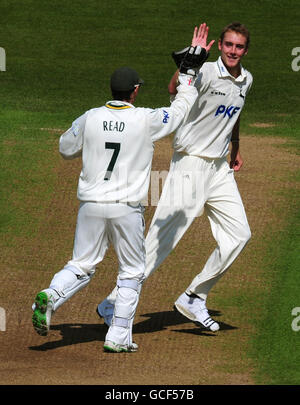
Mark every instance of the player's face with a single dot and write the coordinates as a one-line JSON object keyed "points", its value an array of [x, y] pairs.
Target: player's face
{"points": [[233, 48]]}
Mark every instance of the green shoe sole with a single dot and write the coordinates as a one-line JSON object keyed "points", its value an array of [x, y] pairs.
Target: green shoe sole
{"points": [[111, 350], [116, 348], [39, 320]]}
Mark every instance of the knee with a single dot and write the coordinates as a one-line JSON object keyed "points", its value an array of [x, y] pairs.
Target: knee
{"points": [[135, 272], [79, 270], [242, 238], [238, 239], [245, 236]]}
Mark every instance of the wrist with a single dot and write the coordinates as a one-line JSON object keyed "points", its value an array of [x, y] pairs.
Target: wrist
{"points": [[187, 79]]}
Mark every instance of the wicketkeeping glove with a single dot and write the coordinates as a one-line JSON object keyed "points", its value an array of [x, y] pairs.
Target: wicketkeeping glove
{"points": [[189, 60]]}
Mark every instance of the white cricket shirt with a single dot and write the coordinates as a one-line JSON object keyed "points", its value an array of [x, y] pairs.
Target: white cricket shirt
{"points": [[221, 97], [116, 144]]}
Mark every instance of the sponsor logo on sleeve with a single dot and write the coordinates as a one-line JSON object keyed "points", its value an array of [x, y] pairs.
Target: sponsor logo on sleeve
{"points": [[166, 117]]}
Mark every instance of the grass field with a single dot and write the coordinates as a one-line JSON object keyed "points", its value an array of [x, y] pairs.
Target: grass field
{"points": [[59, 57]]}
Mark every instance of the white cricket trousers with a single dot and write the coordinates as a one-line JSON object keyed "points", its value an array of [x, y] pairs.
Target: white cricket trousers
{"points": [[192, 185], [98, 225]]}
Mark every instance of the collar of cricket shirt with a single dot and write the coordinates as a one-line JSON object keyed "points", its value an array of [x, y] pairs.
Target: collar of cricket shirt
{"points": [[118, 105], [223, 72]]}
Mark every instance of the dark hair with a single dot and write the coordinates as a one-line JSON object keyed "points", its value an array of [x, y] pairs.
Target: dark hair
{"points": [[122, 95], [239, 28]]}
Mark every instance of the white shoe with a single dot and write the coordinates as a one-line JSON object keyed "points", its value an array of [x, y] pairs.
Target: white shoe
{"points": [[110, 346], [106, 311], [42, 312], [195, 309]]}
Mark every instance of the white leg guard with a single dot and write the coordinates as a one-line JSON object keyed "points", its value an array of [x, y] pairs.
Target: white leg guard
{"points": [[120, 331], [67, 282], [112, 296]]}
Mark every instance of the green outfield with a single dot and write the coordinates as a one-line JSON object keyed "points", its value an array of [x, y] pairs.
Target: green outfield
{"points": [[59, 57]]}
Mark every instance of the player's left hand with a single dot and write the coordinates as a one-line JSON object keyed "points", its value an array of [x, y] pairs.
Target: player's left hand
{"points": [[200, 37], [236, 162]]}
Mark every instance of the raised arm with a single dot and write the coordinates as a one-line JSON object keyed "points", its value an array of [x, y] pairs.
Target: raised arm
{"points": [[199, 38]]}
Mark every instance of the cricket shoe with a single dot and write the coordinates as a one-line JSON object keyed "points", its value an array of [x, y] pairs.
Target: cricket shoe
{"points": [[42, 311], [112, 347], [195, 309], [106, 311]]}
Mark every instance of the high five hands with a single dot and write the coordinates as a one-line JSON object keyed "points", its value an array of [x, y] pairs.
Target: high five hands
{"points": [[200, 37]]}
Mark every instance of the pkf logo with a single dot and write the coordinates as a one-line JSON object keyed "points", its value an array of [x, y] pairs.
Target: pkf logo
{"points": [[227, 111]]}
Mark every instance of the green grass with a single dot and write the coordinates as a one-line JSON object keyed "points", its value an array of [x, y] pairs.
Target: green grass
{"points": [[276, 347], [27, 177], [59, 57]]}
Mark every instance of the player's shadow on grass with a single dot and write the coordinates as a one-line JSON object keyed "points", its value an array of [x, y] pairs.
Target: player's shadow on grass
{"points": [[162, 320], [74, 333]]}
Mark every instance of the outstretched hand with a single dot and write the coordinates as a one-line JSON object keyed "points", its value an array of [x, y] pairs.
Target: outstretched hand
{"points": [[200, 37]]}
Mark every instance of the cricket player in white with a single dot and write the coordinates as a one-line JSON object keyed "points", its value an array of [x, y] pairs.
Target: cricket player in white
{"points": [[116, 145], [199, 167]]}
